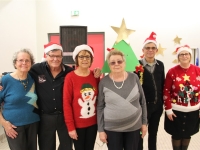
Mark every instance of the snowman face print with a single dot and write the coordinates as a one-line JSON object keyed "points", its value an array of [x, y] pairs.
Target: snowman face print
{"points": [[87, 103]]}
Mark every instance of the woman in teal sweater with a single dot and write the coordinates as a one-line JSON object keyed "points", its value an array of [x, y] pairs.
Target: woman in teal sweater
{"points": [[19, 116]]}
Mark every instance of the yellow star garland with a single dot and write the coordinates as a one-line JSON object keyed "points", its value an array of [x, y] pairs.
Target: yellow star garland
{"points": [[122, 32]]}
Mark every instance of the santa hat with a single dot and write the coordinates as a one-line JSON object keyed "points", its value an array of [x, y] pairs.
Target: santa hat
{"points": [[151, 39], [183, 48], [49, 47], [80, 48]]}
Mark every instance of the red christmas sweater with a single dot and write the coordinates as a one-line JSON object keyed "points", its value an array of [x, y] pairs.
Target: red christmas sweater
{"points": [[182, 89], [79, 100]]}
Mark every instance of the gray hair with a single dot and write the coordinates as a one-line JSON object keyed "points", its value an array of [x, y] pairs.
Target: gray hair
{"points": [[23, 51], [114, 52]]}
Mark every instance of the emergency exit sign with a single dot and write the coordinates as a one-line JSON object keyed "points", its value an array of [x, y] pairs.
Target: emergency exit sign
{"points": [[75, 13]]}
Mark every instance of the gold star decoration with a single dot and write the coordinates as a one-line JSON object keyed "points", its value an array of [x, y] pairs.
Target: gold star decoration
{"points": [[160, 50], [177, 40], [175, 61], [122, 32], [174, 53], [186, 78]]}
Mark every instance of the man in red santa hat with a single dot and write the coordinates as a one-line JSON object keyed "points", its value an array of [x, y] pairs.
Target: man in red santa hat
{"points": [[152, 80]]}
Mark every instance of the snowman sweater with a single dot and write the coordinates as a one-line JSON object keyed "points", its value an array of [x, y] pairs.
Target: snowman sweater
{"points": [[182, 89], [79, 100]]}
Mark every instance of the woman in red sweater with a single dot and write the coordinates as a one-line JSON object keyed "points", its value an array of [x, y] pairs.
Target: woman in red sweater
{"points": [[79, 100], [181, 98]]}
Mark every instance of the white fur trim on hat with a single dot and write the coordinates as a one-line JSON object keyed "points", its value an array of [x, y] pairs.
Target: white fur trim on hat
{"points": [[183, 48], [80, 48], [151, 39], [52, 47]]}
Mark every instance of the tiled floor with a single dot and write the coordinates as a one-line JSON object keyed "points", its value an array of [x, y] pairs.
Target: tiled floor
{"points": [[164, 141]]}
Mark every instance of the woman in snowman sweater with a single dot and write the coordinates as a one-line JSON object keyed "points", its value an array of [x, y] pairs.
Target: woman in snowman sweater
{"points": [[79, 100]]}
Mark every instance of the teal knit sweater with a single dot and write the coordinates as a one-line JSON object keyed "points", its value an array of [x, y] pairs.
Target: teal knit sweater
{"points": [[19, 105]]}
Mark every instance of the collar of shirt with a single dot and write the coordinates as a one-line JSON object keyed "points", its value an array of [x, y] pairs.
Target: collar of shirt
{"points": [[144, 62]]}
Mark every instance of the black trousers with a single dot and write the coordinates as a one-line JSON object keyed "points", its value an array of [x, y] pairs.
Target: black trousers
{"points": [[86, 138], [26, 138], [49, 125], [122, 140], [154, 112]]}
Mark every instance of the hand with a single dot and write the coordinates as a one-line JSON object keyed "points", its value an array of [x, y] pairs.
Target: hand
{"points": [[103, 137], [10, 129], [97, 72], [1, 87], [170, 116], [73, 135], [144, 130]]}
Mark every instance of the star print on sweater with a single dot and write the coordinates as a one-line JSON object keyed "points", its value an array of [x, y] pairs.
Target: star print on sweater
{"points": [[181, 90]]}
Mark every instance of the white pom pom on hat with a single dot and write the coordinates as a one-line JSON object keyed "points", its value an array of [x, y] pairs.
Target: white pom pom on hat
{"points": [[183, 48], [80, 48], [49, 47], [151, 39]]}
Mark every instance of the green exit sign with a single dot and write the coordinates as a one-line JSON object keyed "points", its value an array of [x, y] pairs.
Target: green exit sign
{"points": [[75, 13]]}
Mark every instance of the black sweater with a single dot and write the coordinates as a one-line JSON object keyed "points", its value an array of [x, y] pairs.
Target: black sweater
{"points": [[153, 83]]}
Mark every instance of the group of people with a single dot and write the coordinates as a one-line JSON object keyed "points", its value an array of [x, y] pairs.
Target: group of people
{"points": [[41, 99]]}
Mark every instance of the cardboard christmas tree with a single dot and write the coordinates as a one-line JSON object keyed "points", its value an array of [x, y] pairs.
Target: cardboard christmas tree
{"points": [[123, 45]]}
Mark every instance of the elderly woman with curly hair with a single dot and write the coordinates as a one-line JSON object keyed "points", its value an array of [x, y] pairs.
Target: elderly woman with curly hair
{"points": [[19, 116]]}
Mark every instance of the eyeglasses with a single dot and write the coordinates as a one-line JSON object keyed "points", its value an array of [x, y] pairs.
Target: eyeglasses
{"points": [[119, 62], [55, 56], [184, 54], [87, 57], [21, 61], [149, 48]]}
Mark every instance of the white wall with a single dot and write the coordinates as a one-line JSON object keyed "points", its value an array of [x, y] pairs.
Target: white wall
{"points": [[21, 28], [17, 30]]}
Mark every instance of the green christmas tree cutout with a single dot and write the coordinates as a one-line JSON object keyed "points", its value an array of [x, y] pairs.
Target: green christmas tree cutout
{"points": [[122, 45], [131, 59]]}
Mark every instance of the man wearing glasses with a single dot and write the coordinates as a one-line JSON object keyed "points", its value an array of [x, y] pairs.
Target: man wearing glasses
{"points": [[49, 78], [152, 82]]}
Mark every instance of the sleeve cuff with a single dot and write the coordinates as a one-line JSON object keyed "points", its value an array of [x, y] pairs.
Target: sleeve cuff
{"points": [[169, 111]]}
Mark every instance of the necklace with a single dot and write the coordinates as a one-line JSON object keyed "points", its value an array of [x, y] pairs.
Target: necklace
{"points": [[25, 83], [116, 85]]}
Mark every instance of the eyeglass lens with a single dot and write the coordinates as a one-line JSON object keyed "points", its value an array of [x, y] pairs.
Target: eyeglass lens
{"points": [[116, 62], [148, 48], [82, 57], [184, 54]]}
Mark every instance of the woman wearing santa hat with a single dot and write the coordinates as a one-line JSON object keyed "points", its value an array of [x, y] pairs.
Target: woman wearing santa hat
{"points": [[79, 100], [181, 99]]}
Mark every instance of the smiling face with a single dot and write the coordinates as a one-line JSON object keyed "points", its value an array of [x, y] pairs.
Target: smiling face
{"points": [[84, 59], [150, 50], [23, 62], [88, 94], [116, 63], [54, 58], [184, 58]]}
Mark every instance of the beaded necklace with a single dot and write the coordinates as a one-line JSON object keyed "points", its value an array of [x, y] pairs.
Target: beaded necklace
{"points": [[24, 83], [122, 82]]}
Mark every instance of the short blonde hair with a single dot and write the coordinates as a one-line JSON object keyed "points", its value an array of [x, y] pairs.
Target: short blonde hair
{"points": [[114, 52]]}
